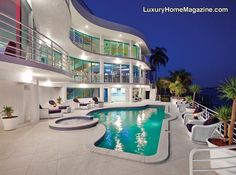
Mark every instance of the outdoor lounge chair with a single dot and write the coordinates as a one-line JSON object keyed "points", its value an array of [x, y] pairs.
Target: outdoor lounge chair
{"points": [[49, 113], [201, 130], [97, 102], [82, 105], [77, 104], [63, 108], [190, 116], [136, 98]]}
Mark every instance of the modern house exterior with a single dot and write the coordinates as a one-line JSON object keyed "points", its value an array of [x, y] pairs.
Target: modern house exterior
{"points": [[60, 48]]}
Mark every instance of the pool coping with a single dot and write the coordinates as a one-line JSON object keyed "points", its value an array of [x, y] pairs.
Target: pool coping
{"points": [[163, 149], [53, 124]]}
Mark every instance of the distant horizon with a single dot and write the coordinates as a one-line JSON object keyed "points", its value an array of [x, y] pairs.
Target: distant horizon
{"points": [[199, 43]]}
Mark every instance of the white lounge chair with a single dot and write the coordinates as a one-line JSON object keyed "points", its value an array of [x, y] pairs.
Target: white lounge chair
{"points": [[46, 113], [98, 103], [201, 130], [190, 116]]}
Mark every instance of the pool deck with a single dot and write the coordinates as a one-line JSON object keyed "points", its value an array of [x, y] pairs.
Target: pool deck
{"points": [[35, 149]]}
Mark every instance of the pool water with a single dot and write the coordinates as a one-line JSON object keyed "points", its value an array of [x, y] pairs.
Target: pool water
{"points": [[132, 130]]}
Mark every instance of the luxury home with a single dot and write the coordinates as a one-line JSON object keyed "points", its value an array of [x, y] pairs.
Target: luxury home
{"points": [[76, 99]]}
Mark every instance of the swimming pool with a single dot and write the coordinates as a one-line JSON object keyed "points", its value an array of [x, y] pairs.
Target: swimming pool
{"points": [[133, 130]]}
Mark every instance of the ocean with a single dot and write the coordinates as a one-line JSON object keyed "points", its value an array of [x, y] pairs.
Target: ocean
{"points": [[209, 97]]}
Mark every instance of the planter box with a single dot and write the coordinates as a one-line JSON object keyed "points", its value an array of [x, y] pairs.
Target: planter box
{"points": [[10, 123], [222, 162]]}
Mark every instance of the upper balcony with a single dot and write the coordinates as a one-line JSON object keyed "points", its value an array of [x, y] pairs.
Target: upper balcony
{"points": [[106, 47], [30, 47]]}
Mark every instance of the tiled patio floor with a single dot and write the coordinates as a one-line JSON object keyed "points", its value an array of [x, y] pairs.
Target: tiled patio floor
{"points": [[38, 150]]}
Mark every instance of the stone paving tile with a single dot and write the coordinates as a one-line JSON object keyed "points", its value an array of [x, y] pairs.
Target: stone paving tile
{"points": [[38, 150]]}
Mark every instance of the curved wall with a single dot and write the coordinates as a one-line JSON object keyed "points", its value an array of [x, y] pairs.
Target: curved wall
{"points": [[78, 5]]}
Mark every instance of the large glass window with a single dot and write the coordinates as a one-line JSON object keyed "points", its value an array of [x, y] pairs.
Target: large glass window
{"points": [[113, 48], [125, 73], [107, 47], [108, 68], [84, 41], [120, 49], [118, 94], [136, 74], [116, 73], [95, 72], [95, 45], [57, 59], [135, 51], [82, 93], [87, 42], [78, 38], [116, 48], [112, 73], [85, 71], [126, 49]]}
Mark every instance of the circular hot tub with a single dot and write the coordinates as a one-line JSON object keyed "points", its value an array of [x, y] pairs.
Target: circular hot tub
{"points": [[72, 123]]}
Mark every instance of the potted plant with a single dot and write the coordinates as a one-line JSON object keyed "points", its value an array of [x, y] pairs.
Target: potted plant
{"points": [[189, 99], [228, 91], [9, 121], [194, 89], [223, 114], [176, 89], [59, 99]]}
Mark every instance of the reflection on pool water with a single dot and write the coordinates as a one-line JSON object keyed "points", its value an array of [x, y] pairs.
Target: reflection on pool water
{"points": [[133, 130]]}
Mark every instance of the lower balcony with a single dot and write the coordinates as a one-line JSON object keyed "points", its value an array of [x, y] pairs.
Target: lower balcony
{"points": [[83, 77]]}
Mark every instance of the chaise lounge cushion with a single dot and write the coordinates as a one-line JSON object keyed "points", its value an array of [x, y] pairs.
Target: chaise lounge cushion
{"points": [[95, 99], [54, 111], [52, 102], [63, 107], [197, 110], [211, 120], [84, 104], [189, 127], [75, 100]]}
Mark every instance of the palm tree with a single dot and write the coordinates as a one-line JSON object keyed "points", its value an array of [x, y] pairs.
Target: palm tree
{"points": [[181, 75], [223, 114], [228, 91], [177, 88], [158, 58], [194, 89], [162, 83], [189, 99]]}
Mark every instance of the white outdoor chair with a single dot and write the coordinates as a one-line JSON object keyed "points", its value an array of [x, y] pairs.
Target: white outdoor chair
{"points": [[191, 116], [198, 130]]}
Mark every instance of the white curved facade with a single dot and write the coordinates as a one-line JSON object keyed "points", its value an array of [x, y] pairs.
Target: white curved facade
{"points": [[58, 48]]}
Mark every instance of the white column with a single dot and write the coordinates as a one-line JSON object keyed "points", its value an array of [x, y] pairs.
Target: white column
{"points": [[34, 95], [140, 53], [140, 92], [101, 45], [130, 49], [101, 71], [109, 94], [130, 93], [63, 94], [140, 75], [102, 93], [131, 73]]}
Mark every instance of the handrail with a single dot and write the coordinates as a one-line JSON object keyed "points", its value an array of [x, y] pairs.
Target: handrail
{"points": [[30, 28], [209, 112], [192, 159], [27, 43]]}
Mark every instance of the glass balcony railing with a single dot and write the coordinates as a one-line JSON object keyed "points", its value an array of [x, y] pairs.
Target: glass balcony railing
{"points": [[21, 41], [110, 48], [82, 77]]}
